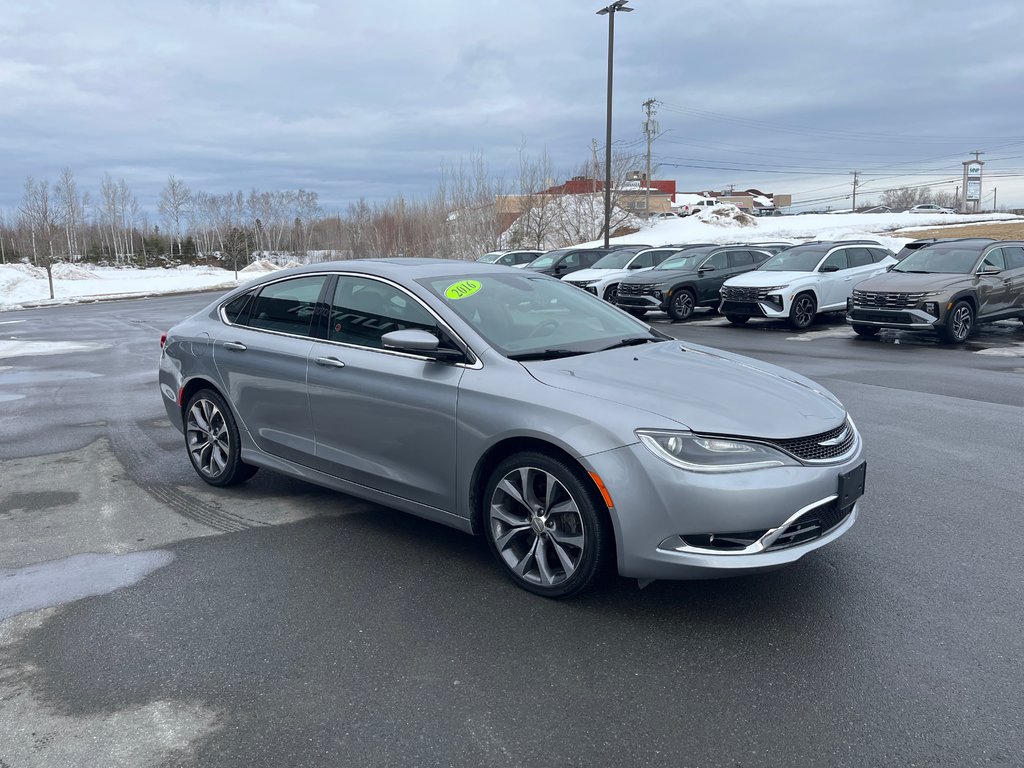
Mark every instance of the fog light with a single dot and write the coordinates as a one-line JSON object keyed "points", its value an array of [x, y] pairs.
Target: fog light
{"points": [[932, 308], [656, 294]]}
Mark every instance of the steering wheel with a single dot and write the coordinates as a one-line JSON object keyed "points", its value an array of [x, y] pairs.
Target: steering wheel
{"points": [[549, 324]]}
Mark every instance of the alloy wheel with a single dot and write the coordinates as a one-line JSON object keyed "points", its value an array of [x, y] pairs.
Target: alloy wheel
{"points": [[682, 305], [803, 311], [206, 434], [537, 527], [961, 322]]}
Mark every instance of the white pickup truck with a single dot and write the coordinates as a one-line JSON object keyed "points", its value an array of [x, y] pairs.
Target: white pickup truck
{"points": [[701, 205]]}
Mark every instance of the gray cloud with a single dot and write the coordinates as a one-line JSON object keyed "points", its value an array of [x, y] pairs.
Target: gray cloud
{"points": [[369, 99]]}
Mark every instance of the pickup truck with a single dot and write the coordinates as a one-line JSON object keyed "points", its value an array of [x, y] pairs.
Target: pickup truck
{"points": [[701, 205]]}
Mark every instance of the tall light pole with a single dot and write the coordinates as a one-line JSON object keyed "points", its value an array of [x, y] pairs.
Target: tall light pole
{"points": [[610, 10]]}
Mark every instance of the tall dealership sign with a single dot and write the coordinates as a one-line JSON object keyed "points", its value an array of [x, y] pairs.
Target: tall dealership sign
{"points": [[972, 184]]}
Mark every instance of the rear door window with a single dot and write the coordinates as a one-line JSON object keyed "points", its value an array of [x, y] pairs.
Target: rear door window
{"points": [[877, 254], [740, 259], [858, 257], [1014, 255], [994, 258], [288, 306]]}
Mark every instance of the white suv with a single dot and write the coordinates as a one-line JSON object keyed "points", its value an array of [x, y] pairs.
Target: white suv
{"points": [[603, 278], [799, 282]]}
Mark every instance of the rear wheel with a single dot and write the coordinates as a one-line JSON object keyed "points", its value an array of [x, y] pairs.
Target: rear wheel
{"points": [[680, 306], [637, 312], [545, 524], [959, 323], [211, 438], [737, 319], [801, 314], [865, 330]]}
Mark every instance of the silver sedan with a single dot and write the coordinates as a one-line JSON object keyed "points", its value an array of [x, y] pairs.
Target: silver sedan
{"points": [[575, 438]]}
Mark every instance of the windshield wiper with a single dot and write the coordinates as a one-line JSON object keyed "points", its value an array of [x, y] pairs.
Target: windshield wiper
{"points": [[631, 341], [547, 354]]}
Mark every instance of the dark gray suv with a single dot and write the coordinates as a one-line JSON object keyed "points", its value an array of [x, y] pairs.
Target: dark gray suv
{"points": [[947, 287]]}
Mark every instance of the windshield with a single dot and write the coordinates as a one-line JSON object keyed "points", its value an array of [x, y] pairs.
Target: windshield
{"points": [[547, 260], [614, 260], [793, 260], [490, 258], [954, 259], [689, 261], [531, 316]]}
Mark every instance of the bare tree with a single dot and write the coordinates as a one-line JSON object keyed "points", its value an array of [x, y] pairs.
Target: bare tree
{"points": [[174, 204], [70, 210]]}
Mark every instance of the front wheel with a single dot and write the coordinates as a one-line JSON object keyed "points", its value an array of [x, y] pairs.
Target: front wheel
{"points": [[211, 438], [611, 293], [801, 314], [865, 330], [959, 323], [545, 524], [737, 319], [638, 313], [680, 306]]}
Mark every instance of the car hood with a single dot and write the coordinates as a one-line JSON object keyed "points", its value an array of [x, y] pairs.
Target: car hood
{"points": [[655, 276], [700, 388], [758, 279], [585, 275], [907, 282]]}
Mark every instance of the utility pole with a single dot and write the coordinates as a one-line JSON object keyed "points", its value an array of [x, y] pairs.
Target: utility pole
{"points": [[976, 154], [610, 11], [856, 183], [650, 129], [994, 190], [597, 166]]}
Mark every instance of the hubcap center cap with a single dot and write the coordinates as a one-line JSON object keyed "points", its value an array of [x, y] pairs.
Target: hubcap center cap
{"points": [[537, 524]]}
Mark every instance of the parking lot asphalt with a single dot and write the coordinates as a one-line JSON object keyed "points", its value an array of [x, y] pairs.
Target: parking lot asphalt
{"points": [[146, 619]]}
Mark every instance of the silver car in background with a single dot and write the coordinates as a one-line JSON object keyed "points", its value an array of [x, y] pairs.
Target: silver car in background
{"points": [[575, 438]]}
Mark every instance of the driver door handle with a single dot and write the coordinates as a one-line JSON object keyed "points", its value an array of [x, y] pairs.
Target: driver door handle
{"points": [[236, 345], [329, 362]]}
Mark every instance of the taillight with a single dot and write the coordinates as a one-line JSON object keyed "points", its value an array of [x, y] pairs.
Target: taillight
{"points": [[163, 340]]}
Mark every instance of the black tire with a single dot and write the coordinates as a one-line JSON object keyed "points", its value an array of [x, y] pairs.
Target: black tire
{"points": [[211, 441], [636, 312], [959, 323], [801, 314], [681, 305], [866, 330], [611, 293], [554, 554], [737, 319]]}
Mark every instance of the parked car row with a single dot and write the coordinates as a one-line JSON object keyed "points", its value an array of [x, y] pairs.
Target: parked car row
{"points": [[972, 280]]}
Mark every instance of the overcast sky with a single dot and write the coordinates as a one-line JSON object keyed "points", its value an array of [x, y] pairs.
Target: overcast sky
{"points": [[370, 99]]}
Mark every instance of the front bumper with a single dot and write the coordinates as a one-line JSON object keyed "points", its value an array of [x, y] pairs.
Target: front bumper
{"points": [[909, 319], [662, 514], [642, 301], [753, 308]]}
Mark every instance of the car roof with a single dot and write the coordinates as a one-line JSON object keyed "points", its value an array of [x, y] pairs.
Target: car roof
{"points": [[400, 268]]}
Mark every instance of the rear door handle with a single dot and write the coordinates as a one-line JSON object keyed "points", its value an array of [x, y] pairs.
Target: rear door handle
{"points": [[329, 362], [237, 345]]}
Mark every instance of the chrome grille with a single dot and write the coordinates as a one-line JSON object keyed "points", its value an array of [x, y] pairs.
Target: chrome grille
{"points": [[886, 300], [838, 441]]}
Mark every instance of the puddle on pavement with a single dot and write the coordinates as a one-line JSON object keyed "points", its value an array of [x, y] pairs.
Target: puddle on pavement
{"points": [[46, 585]]}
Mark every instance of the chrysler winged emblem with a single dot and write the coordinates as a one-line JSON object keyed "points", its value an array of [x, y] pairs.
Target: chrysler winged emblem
{"points": [[835, 440]]}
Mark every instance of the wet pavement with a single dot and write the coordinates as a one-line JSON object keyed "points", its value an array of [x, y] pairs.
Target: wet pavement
{"points": [[147, 619]]}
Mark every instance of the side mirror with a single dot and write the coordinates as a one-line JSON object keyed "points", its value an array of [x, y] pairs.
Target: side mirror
{"points": [[708, 268], [829, 268], [989, 271], [418, 342]]}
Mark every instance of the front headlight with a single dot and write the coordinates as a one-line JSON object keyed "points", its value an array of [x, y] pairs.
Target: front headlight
{"points": [[777, 288], [711, 454], [592, 283]]}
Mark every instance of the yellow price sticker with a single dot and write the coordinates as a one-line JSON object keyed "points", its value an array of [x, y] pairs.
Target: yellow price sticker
{"points": [[462, 289]]}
